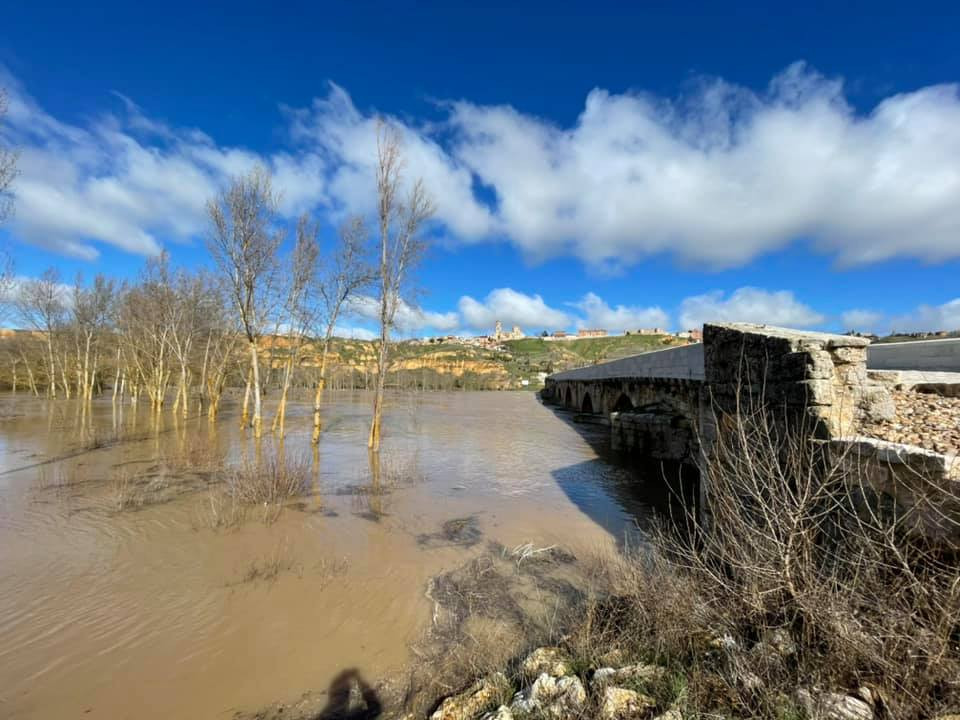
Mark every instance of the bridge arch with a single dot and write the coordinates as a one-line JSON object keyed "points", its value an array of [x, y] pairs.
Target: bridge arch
{"points": [[568, 398], [623, 404], [586, 406]]}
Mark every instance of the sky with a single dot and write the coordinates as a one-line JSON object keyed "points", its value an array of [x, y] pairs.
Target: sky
{"points": [[612, 165]]}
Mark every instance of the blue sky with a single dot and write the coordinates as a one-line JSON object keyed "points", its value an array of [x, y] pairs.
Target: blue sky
{"points": [[593, 164]]}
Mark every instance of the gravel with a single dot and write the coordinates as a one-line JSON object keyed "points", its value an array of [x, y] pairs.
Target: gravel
{"points": [[922, 419]]}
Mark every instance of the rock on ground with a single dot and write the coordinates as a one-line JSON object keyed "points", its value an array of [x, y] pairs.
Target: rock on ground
{"points": [[928, 421], [638, 672], [558, 699], [469, 704], [834, 706], [622, 704], [501, 713], [550, 660]]}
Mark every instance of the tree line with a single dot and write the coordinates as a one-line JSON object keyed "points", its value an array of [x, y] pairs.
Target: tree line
{"points": [[179, 336]]}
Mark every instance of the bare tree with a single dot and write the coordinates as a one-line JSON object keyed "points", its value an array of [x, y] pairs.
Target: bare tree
{"points": [[400, 246], [40, 305], [347, 272], [144, 321], [298, 308], [244, 244], [91, 313]]}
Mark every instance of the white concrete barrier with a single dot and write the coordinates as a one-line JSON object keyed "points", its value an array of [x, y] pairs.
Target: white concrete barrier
{"points": [[934, 355]]}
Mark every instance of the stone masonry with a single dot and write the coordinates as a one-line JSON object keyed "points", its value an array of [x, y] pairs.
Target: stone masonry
{"points": [[818, 381]]}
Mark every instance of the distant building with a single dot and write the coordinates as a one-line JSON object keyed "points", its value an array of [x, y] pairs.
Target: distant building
{"points": [[591, 333], [646, 331], [695, 335], [559, 334], [499, 335]]}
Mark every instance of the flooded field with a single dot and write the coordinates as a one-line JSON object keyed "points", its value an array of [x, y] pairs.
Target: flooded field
{"points": [[125, 594]]}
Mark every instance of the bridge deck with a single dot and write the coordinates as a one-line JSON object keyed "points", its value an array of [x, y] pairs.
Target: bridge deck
{"points": [[685, 362]]}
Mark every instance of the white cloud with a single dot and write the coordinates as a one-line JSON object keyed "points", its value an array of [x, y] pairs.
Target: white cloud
{"points": [[598, 314], [408, 318], [354, 333], [748, 304], [861, 320], [717, 177], [511, 308], [125, 181], [929, 318], [725, 174]]}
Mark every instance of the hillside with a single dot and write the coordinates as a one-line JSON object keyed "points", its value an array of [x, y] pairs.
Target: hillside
{"points": [[449, 365]]}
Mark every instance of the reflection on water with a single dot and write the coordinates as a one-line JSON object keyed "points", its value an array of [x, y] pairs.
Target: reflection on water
{"points": [[118, 597]]}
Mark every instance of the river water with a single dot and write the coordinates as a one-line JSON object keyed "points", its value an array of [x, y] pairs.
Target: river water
{"points": [[150, 612]]}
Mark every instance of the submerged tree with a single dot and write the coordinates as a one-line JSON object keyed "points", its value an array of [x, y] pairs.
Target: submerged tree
{"points": [[298, 308], [347, 271], [41, 306], [400, 249], [244, 244], [91, 316]]}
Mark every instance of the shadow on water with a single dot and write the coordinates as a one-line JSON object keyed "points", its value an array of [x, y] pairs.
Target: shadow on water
{"points": [[350, 697], [621, 492]]}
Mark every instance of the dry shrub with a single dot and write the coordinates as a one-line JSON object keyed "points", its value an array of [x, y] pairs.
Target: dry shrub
{"points": [[801, 577], [273, 480], [264, 486]]}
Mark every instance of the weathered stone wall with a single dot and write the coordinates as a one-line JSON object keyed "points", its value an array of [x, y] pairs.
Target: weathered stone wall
{"points": [[815, 377]]}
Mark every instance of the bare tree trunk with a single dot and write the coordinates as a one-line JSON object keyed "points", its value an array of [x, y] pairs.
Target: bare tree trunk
{"points": [[116, 377], [245, 413], [373, 441], [318, 396], [257, 398], [280, 417]]}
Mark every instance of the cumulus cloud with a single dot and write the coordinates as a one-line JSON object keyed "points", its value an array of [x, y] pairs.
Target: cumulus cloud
{"points": [[929, 318], [408, 318], [511, 308], [598, 314], [354, 333], [718, 176], [861, 320], [725, 174], [122, 180], [748, 304]]}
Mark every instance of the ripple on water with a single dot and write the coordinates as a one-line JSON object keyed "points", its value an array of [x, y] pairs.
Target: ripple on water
{"points": [[94, 601]]}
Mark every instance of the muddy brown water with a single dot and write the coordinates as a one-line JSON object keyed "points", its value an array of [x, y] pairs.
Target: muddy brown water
{"points": [[148, 612]]}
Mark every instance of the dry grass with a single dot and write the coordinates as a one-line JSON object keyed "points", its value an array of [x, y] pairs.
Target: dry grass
{"points": [[268, 568], [802, 578], [260, 488]]}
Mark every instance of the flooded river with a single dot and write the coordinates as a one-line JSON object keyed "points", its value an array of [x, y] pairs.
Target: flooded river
{"points": [[112, 609]]}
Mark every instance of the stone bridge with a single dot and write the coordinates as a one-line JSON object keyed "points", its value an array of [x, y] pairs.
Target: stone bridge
{"points": [[664, 405]]}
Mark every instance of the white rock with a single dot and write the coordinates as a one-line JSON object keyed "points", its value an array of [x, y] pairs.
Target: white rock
{"points": [[834, 706], [670, 715], [559, 699], [501, 713], [622, 704], [550, 660], [473, 701]]}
